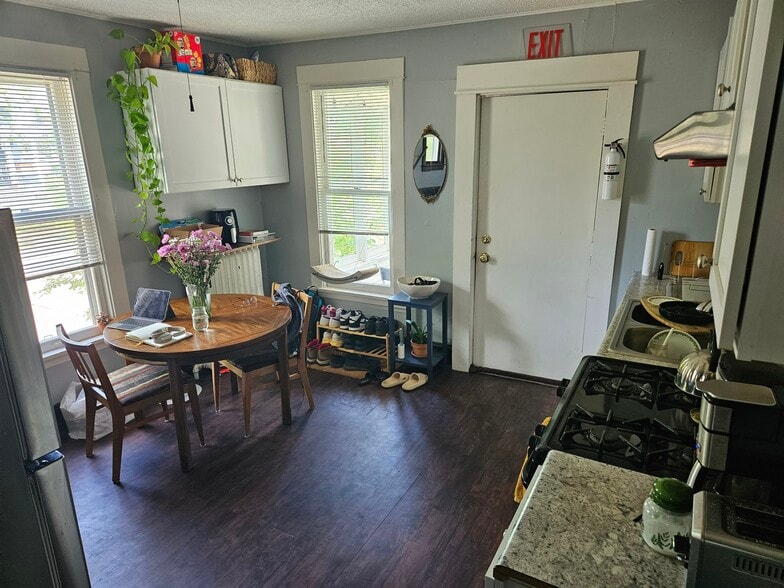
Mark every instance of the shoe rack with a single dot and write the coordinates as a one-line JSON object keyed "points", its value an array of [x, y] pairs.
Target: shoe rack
{"points": [[380, 350]]}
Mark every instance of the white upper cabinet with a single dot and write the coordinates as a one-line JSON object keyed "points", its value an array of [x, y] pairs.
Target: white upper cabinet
{"points": [[747, 276], [259, 136], [727, 84], [235, 136]]}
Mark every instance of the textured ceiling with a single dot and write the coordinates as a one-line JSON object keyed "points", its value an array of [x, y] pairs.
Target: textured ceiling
{"points": [[253, 22]]}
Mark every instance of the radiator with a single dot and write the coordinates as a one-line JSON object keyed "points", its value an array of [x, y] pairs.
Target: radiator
{"points": [[239, 273]]}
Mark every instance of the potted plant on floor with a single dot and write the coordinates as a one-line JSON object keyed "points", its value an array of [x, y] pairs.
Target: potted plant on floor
{"points": [[131, 90], [418, 337]]}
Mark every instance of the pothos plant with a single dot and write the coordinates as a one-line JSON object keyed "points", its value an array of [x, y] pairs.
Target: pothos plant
{"points": [[131, 90]]}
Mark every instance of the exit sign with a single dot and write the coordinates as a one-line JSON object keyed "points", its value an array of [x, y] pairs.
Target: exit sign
{"points": [[547, 42]]}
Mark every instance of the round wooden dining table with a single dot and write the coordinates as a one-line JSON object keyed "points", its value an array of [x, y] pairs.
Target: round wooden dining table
{"points": [[241, 324]]}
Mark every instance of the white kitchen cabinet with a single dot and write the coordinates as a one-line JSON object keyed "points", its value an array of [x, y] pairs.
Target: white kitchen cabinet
{"points": [[258, 137], [235, 136], [747, 277], [727, 83]]}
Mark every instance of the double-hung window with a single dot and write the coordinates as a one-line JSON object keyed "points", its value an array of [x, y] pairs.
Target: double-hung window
{"points": [[352, 135], [44, 180]]}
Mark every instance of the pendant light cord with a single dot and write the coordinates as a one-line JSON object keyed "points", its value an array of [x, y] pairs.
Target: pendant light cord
{"points": [[187, 74]]}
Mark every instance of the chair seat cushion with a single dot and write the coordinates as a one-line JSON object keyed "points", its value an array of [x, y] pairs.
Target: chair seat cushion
{"points": [[138, 381], [264, 358]]}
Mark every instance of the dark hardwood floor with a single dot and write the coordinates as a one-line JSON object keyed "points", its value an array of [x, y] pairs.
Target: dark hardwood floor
{"points": [[374, 487]]}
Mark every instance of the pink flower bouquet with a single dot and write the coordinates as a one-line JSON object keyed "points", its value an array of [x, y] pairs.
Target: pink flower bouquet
{"points": [[194, 260]]}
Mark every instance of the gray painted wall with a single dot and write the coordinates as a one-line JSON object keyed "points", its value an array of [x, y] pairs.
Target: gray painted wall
{"points": [[679, 43], [22, 22]]}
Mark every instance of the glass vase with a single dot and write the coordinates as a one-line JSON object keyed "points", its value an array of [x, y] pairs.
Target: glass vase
{"points": [[199, 295]]}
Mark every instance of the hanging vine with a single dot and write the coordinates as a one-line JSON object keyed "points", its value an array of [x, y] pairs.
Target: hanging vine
{"points": [[131, 90]]}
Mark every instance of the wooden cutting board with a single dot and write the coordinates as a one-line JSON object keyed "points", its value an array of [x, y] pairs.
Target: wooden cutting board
{"points": [[689, 252], [653, 310]]}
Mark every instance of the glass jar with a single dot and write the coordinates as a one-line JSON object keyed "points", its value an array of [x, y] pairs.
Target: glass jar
{"points": [[666, 514], [200, 318]]}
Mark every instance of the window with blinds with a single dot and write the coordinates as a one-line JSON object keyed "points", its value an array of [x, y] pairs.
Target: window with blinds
{"points": [[351, 128], [43, 180]]}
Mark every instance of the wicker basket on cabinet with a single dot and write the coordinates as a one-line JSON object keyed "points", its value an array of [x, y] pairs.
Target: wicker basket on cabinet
{"points": [[256, 71]]}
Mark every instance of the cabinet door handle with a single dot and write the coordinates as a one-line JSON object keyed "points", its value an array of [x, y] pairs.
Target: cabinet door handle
{"points": [[239, 180], [722, 89]]}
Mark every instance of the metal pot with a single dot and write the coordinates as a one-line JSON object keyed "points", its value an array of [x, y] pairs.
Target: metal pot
{"points": [[694, 368]]}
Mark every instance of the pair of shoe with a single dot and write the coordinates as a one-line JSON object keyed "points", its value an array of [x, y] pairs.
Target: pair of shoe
{"points": [[328, 314], [375, 376], [337, 360], [311, 350], [377, 325], [324, 354], [351, 320], [332, 338], [357, 363], [356, 321], [409, 381]]}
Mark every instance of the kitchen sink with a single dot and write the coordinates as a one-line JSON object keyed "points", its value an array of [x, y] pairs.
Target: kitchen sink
{"points": [[636, 338], [636, 328]]}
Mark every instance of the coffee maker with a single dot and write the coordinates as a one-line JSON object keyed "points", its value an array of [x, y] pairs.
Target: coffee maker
{"points": [[737, 535], [226, 218]]}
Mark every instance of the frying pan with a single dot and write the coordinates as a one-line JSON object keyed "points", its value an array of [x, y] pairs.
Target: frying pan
{"points": [[684, 312]]}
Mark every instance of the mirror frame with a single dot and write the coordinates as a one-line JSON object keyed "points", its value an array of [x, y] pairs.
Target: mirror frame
{"points": [[430, 198]]}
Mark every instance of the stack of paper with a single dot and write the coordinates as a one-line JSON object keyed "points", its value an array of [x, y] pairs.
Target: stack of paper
{"points": [[143, 333], [255, 236], [147, 335]]}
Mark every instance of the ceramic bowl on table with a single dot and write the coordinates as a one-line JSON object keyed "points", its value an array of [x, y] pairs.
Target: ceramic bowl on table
{"points": [[418, 286]]}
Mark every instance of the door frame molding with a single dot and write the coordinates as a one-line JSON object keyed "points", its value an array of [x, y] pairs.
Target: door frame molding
{"points": [[614, 72]]}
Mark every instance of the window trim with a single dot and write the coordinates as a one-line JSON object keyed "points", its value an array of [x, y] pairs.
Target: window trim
{"points": [[390, 71], [27, 56]]}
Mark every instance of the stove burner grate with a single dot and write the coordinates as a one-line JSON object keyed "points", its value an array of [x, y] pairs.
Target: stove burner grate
{"points": [[643, 443], [650, 386], [605, 435]]}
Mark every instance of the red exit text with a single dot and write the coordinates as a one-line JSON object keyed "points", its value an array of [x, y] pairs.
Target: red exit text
{"points": [[545, 44]]}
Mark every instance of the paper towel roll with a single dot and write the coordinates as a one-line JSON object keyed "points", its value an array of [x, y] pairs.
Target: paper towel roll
{"points": [[649, 258]]}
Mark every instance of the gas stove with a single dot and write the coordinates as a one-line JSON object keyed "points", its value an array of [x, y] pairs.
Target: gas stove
{"points": [[624, 413]]}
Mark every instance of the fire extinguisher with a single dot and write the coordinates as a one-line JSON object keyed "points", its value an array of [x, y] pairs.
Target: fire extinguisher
{"points": [[612, 170]]}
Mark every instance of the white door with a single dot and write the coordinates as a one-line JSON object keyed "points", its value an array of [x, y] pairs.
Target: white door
{"points": [[539, 165]]}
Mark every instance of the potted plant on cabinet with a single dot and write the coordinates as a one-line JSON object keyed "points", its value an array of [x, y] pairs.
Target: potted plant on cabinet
{"points": [[131, 90], [418, 337]]}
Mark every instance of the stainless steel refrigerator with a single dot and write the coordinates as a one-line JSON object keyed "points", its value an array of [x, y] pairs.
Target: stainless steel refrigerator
{"points": [[40, 543]]}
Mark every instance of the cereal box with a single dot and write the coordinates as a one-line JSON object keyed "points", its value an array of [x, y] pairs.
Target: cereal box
{"points": [[188, 57]]}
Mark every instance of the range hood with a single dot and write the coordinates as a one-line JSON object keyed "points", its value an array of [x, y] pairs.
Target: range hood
{"points": [[701, 136]]}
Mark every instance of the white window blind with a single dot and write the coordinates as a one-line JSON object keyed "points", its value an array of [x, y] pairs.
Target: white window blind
{"points": [[43, 177], [352, 152]]}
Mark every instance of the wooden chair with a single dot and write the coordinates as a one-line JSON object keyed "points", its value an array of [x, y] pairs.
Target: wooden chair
{"points": [[266, 363], [128, 390]]}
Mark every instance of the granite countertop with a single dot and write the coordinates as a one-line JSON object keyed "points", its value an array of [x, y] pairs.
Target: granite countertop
{"points": [[577, 529], [639, 287]]}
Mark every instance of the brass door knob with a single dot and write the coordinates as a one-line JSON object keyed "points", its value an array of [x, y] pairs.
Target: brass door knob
{"points": [[484, 258], [485, 238]]}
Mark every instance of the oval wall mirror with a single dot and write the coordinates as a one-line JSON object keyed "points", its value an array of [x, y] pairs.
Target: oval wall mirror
{"points": [[429, 165]]}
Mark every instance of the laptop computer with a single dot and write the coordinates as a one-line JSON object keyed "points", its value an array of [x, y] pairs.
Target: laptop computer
{"points": [[151, 306]]}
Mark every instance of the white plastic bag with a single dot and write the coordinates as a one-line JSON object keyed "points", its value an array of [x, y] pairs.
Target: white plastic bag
{"points": [[74, 412]]}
